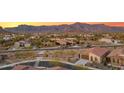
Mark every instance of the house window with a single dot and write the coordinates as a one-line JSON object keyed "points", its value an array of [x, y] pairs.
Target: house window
{"points": [[91, 58], [113, 60], [96, 59], [118, 60]]}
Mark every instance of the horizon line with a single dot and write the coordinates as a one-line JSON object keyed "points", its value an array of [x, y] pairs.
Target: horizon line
{"points": [[16, 24]]}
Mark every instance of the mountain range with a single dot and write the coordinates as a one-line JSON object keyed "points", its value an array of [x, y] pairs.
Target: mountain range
{"points": [[65, 27], [2, 31]]}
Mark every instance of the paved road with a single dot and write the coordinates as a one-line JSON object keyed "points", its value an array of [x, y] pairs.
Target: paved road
{"points": [[59, 48], [37, 62], [40, 49]]}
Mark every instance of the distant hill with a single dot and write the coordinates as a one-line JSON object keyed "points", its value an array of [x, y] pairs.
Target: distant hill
{"points": [[2, 31], [72, 27]]}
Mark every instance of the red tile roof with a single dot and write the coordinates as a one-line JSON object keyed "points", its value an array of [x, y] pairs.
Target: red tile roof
{"points": [[99, 51], [117, 52]]}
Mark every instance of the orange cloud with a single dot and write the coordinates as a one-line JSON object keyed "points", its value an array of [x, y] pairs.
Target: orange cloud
{"points": [[108, 23]]}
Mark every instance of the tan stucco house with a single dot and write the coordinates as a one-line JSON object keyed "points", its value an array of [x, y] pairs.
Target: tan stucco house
{"points": [[98, 55], [117, 57]]}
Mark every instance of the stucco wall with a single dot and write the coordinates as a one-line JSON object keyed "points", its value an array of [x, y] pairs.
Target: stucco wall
{"points": [[94, 58]]}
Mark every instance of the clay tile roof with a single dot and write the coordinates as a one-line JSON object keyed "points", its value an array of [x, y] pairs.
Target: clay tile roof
{"points": [[99, 51], [117, 52], [23, 67]]}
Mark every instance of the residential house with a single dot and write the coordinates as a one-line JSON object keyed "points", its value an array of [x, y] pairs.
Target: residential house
{"points": [[7, 37], [61, 42], [70, 41], [22, 44], [109, 41], [116, 57], [98, 55], [64, 42]]}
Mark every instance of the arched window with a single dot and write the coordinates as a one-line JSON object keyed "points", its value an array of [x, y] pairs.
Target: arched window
{"points": [[91, 58], [113, 60], [96, 59]]}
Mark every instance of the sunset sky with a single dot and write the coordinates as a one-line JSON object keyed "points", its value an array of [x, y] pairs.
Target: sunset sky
{"points": [[13, 24]]}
